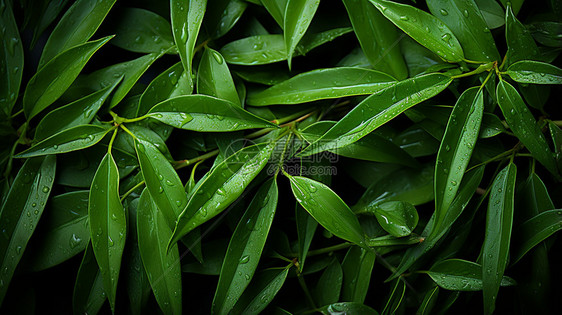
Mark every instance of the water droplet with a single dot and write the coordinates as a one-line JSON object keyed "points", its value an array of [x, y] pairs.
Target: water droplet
{"points": [[74, 241], [46, 189], [312, 189], [446, 37], [444, 12], [220, 192], [454, 183], [244, 260], [247, 277], [18, 250], [465, 13], [178, 203], [160, 189], [404, 18], [55, 146], [203, 212]]}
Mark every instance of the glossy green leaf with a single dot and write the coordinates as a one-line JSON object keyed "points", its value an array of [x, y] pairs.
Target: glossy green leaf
{"points": [[223, 185], [534, 72], [465, 20], [536, 230], [147, 134], [76, 138], [347, 308], [224, 16], [205, 114], [524, 126], [306, 227], [546, 33], [77, 25], [357, 268], [516, 4], [297, 18], [213, 253], [267, 75], [214, 78], [322, 84], [11, 59], [186, 17], [416, 142], [370, 148], [460, 275], [245, 248], [434, 34], [108, 224], [520, 43], [20, 212], [377, 110], [47, 14], [329, 285], [326, 207], [378, 38], [142, 31], [89, 294], [162, 266], [50, 82], [429, 301], [398, 218], [456, 149], [492, 12], [277, 10], [395, 298], [80, 112], [262, 291], [162, 181], [66, 232], [499, 220]]}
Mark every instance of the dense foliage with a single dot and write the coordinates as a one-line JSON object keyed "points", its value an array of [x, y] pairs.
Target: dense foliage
{"points": [[285, 156]]}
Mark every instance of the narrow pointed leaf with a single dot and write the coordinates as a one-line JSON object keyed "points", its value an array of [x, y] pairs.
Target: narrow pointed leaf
{"points": [[326, 207], [223, 185], [536, 230], [520, 43], [214, 78], [433, 34], [142, 31], [395, 297], [492, 12], [297, 18], [456, 149], [205, 114], [379, 109], [108, 224], [524, 126], [20, 212], [534, 72], [76, 138], [163, 268], [277, 10], [429, 301], [52, 80], [306, 227], [11, 59], [322, 84], [357, 269], [77, 25], [89, 295], [328, 287], [460, 275], [261, 292], [499, 222], [245, 248], [224, 16], [398, 218]]}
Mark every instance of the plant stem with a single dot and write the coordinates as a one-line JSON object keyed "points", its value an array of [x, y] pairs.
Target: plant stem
{"points": [[125, 195], [112, 139], [184, 163], [16, 114]]}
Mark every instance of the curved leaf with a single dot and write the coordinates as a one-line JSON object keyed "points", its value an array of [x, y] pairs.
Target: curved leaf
{"points": [[224, 16], [89, 294], [50, 82], [460, 275], [162, 268], [108, 224], [20, 213], [322, 84], [297, 18], [205, 114], [11, 59], [433, 34], [245, 248], [329, 284], [357, 268], [261, 292], [326, 207], [142, 31], [520, 43], [398, 218], [429, 301], [492, 12], [395, 298], [377, 110], [214, 78], [277, 10], [534, 72], [536, 230]]}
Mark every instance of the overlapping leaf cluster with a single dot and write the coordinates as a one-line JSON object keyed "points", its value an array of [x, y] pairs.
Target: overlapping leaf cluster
{"points": [[280, 155]]}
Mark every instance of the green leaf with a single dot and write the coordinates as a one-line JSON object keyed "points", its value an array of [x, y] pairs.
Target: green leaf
{"points": [[516, 4], [329, 285], [162, 267], [322, 84], [429, 301], [277, 10], [456, 149], [205, 114], [162, 181], [65, 233], [433, 34], [326, 207], [20, 212], [347, 308], [11, 59], [223, 17], [186, 17], [520, 43], [75, 138], [245, 248], [297, 18], [492, 12], [377, 110], [262, 291], [52, 80], [377, 37], [49, 12], [523, 125], [79, 112], [142, 31], [499, 220], [214, 78], [398, 218], [77, 25], [88, 296], [357, 269], [108, 224], [535, 230], [306, 227], [546, 33], [221, 187], [395, 298], [465, 20], [460, 275], [147, 134], [534, 72]]}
